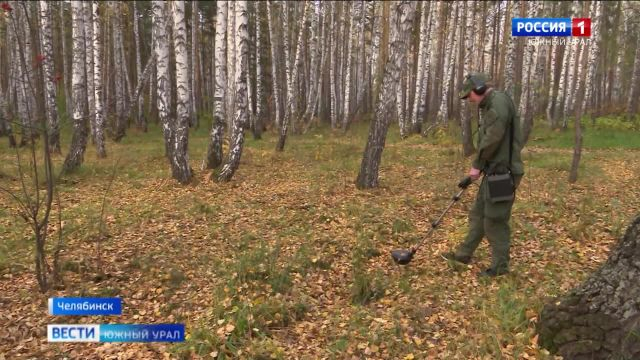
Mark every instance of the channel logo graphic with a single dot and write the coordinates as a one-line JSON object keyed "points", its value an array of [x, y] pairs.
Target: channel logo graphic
{"points": [[115, 332], [550, 27], [85, 306]]}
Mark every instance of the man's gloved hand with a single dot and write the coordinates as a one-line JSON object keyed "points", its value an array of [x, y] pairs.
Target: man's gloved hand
{"points": [[474, 174], [464, 183]]}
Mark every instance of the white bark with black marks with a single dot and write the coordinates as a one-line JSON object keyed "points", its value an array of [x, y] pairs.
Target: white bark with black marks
{"points": [[241, 116], [50, 87], [402, 14], [75, 156], [180, 155], [97, 82], [214, 150]]}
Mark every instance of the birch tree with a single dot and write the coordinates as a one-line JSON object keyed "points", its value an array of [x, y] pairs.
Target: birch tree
{"points": [[214, 150], [75, 156], [634, 91], [119, 75], [47, 64], [180, 155], [193, 119], [292, 79], [465, 121], [141, 121], [275, 68], [510, 57], [240, 119], [402, 14], [423, 54], [443, 112], [350, 38], [163, 81], [88, 41], [97, 82], [594, 53]]}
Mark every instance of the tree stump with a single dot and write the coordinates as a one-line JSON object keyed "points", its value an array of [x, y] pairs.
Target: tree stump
{"points": [[600, 319]]}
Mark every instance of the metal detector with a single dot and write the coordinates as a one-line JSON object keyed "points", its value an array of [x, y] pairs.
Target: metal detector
{"points": [[404, 256]]}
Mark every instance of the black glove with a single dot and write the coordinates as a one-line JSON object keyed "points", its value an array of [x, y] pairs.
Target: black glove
{"points": [[464, 183]]}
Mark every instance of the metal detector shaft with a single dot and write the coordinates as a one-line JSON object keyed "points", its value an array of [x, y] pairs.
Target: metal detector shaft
{"points": [[436, 223]]}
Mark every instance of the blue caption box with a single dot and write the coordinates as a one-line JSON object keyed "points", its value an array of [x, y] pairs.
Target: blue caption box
{"points": [[142, 333], [115, 333], [85, 306], [540, 27]]}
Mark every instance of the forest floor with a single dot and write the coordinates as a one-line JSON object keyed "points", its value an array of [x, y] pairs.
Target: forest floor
{"points": [[289, 260]]}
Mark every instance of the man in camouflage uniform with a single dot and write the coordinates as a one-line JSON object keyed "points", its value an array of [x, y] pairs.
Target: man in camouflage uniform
{"points": [[497, 116]]}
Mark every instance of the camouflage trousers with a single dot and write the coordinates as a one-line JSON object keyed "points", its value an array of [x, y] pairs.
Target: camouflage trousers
{"points": [[490, 219]]}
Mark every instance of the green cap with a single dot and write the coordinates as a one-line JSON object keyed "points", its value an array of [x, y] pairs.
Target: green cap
{"points": [[472, 81]]}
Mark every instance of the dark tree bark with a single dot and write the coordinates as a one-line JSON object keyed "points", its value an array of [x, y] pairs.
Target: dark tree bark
{"points": [[601, 318]]}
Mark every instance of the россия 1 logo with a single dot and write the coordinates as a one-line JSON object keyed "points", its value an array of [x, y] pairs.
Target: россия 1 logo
{"points": [[550, 27]]}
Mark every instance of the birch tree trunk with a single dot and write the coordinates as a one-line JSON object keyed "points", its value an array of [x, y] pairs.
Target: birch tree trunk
{"points": [[141, 120], [553, 89], [214, 150], [242, 56], [291, 113], [275, 68], [314, 71], [97, 82], [163, 87], [465, 121], [88, 36], [231, 62], [621, 45], [594, 53], [193, 119], [402, 14], [634, 91], [47, 64], [332, 68], [75, 156], [119, 78], [423, 53], [528, 76], [257, 120], [180, 156], [510, 58], [350, 38], [443, 112], [66, 68], [599, 318]]}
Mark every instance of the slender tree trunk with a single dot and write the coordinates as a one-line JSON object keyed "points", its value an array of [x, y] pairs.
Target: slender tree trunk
{"points": [[443, 112], [465, 122], [97, 82], [242, 56], [180, 155], [553, 89], [422, 55], [75, 156], [231, 62], [47, 52], [586, 90], [120, 92], [193, 119], [623, 31], [275, 67], [333, 67], [402, 18], [66, 68], [510, 58], [257, 121], [350, 38], [163, 87], [88, 36], [634, 91], [214, 150], [141, 120]]}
